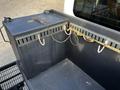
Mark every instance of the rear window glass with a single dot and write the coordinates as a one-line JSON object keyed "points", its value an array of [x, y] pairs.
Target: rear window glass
{"points": [[104, 12]]}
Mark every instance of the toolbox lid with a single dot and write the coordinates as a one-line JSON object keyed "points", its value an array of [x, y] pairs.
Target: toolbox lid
{"points": [[31, 23]]}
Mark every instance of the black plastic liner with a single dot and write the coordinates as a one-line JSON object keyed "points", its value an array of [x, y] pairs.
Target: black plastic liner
{"points": [[63, 76], [103, 67]]}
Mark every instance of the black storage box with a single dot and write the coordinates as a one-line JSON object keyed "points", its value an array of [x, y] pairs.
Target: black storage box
{"points": [[36, 51]]}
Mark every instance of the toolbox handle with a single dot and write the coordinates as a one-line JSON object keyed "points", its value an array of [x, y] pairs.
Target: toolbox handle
{"points": [[3, 34]]}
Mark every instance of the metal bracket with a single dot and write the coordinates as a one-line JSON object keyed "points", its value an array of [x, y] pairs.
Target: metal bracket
{"points": [[3, 35]]}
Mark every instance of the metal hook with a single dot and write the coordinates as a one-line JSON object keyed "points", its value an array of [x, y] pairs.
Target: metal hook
{"points": [[65, 30], [99, 50], [41, 42], [88, 39]]}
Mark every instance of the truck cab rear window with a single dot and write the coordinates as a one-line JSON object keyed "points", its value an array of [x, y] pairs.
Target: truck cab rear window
{"points": [[104, 12]]}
